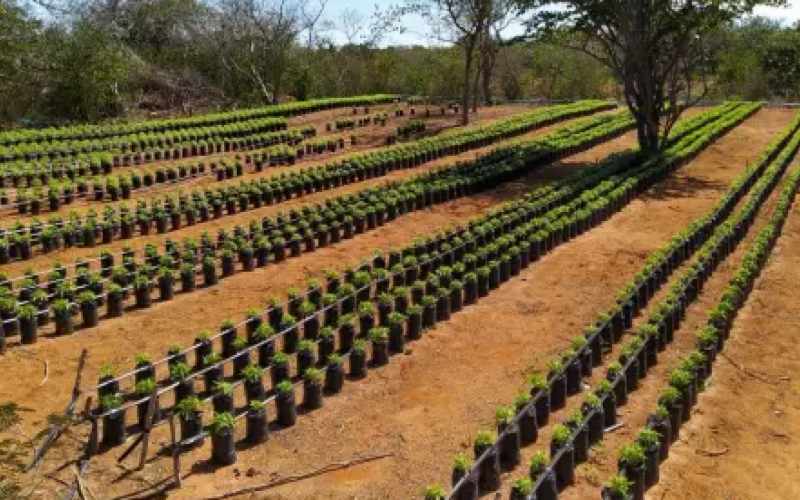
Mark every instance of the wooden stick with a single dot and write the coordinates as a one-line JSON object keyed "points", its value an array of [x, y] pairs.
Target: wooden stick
{"points": [[176, 452], [149, 422], [300, 477]]}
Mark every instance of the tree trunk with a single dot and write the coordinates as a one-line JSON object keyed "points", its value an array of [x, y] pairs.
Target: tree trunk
{"points": [[476, 86], [469, 47]]}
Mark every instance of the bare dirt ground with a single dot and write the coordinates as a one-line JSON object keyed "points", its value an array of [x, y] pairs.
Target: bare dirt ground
{"points": [[742, 441]]}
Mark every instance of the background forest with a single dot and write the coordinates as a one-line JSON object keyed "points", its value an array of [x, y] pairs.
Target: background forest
{"points": [[93, 59]]}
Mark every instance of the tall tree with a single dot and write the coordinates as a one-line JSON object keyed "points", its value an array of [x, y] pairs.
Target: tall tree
{"points": [[466, 21], [656, 48]]}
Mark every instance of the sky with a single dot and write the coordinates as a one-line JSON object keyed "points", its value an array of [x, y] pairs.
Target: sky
{"points": [[418, 33]]}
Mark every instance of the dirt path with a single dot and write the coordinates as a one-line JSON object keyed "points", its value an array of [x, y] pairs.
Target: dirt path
{"points": [[752, 424], [426, 407], [45, 262]]}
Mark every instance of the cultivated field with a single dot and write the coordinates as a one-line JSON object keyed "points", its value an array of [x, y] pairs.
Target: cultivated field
{"points": [[362, 299]]}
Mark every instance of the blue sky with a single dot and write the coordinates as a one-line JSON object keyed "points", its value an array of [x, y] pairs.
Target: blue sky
{"points": [[418, 32]]}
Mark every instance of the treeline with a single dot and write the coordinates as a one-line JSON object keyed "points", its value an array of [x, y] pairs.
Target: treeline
{"points": [[96, 59]]}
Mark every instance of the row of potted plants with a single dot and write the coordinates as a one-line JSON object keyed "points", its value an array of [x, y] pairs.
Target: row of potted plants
{"points": [[496, 273], [641, 353], [639, 461], [232, 199], [84, 132], [142, 142], [270, 240], [564, 379], [423, 310], [125, 274]]}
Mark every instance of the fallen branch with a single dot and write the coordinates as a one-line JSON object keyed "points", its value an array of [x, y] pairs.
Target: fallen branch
{"points": [[747, 372], [300, 477], [712, 453]]}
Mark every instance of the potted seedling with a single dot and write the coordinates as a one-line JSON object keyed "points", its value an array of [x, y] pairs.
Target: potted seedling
{"points": [[107, 382], [347, 333], [379, 337], [435, 492], [291, 333], [540, 391], [521, 488], [558, 384], [305, 355], [241, 359], [223, 449], [683, 381], [593, 409], [632, 466], [670, 399], [263, 337], [62, 313], [287, 408], [279, 371], [618, 488], [396, 335], [415, 313], [191, 419], [563, 453], [253, 383], [489, 474], [461, 467], [509, 441], [28, 324], [179, 373], [617, 379], [312, 388], [650, 441], [145, 389], [580, 436], [113, 420], [213, 370], [659, 421], [257, 422], [222, 398], [358, 359]]}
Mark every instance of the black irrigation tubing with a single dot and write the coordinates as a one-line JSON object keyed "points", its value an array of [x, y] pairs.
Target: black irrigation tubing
{"points": [[545, 117], [583, 228], [646, 354], [179, 124], [733, 299], [593, 345]]}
